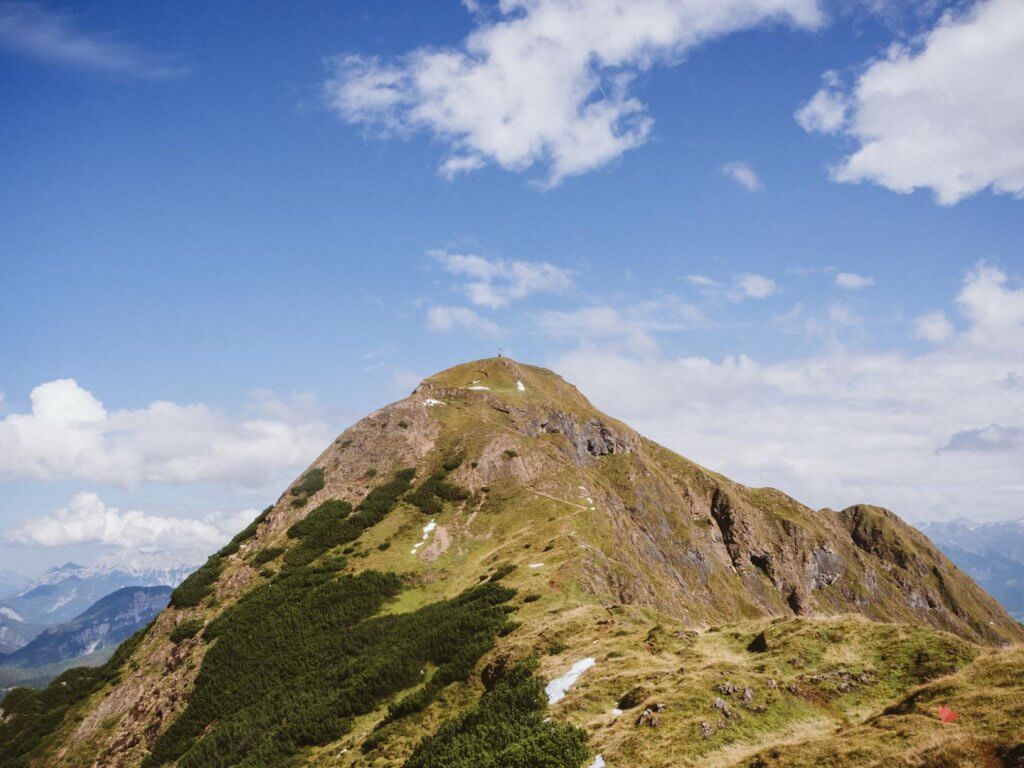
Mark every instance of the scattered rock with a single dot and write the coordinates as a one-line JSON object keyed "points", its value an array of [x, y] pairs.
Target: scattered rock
{"points": [[759, 644], [633, 697], [748, 695], [648, 718], [706, 730], [727, 688], [722, 707]]}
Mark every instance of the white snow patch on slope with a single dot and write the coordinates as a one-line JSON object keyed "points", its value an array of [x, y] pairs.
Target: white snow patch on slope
{"points": [[10, 613], [62, 601], [426, 535], [558, 687], [431, 401], [520, 387], [536, 565], [480, 388], [598, 762]]}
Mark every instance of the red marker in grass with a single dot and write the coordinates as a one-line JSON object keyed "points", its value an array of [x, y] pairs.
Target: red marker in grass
{"points": [[947, 715]]}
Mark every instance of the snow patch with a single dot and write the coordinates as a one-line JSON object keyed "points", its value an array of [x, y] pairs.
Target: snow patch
{"points": [[431, 401], [560, 686], [598, 762], [536, 565], [480, 388], [616, 711], [62, 601], [520, 387], [10, 613], [426, 535]]}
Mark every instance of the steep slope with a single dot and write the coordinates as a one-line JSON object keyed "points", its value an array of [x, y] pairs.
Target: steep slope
{"points": [[384, 610]]}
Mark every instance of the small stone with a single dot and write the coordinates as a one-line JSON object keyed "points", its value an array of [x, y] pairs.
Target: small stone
{"points": [[706, 729], [748, 695]]}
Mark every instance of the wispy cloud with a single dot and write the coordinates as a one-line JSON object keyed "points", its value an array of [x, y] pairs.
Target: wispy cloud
{"points": [[33, 30], [743, 175], [853, 282], [442, 319], [634, 324], [741, 287], [495, 283]]}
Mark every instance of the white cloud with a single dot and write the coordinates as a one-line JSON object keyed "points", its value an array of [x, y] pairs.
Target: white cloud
{"points": [[945, 114], [743, 175], [442, 319], [845, 425], [495, 283], [29, 28], [542, 82], [995, 311], [635, 325], [68, 433], [87, 520], [933, 326], [739, 288], [826, 111], [853, 281], [702, 280], [757, 286]]}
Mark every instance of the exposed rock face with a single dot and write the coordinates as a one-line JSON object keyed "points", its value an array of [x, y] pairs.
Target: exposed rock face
{"points": [[626, 522]]}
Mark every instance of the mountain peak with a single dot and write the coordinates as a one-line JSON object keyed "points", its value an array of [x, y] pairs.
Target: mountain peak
{"points": [[509, 381], [495, 515]]}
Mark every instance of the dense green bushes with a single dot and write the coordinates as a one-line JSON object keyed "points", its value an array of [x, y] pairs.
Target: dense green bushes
{"points": [[333, 523], [431, 494], [31, 716], [296, 659], [186, 629], [199, 583], [308, 484], [505, 730], [266, 554]]}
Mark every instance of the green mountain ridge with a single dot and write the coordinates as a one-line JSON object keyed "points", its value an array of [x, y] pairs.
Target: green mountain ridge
{"points": [[405, 602]]}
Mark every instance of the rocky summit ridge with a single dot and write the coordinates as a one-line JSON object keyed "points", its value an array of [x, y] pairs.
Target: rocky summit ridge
{"points": [[453, 553]]}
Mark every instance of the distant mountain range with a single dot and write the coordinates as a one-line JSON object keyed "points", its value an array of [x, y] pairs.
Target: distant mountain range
{"points": [[106, 623], [992, 553], [64, 592], [14, 630]]}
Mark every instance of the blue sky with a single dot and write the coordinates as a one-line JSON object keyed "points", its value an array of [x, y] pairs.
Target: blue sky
{"points": [[239, 230]]}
